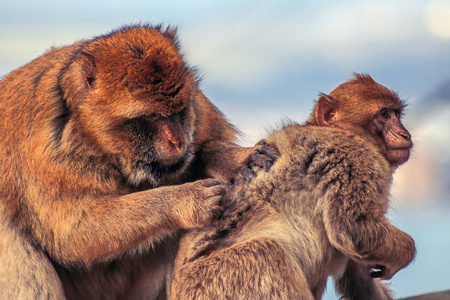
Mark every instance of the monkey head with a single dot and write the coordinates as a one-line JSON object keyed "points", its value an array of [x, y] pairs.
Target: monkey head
{"points": [[131, 94], [370, 109]]}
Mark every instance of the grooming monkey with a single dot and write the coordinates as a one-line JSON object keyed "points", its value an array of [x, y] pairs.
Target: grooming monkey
{"points": [[102, 142], [319, 210]]}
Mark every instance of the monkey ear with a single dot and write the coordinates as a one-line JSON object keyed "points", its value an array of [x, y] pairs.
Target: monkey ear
{"points": [[326, 110], [87, 68], [79, 78]]}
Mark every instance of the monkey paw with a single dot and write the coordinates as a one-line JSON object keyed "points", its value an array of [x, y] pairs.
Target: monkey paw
{"points": [[205, 203], [262, 158]]}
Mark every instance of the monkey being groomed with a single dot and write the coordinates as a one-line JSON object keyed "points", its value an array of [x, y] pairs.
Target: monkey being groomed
{"points": [[319, 211]]}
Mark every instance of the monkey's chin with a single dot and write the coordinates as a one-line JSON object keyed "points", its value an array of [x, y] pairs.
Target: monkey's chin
{"points": [[172, 161], [153, 174], [398, 156]]}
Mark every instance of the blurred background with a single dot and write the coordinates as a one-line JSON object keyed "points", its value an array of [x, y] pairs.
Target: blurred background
{"points": [[262, 61]]}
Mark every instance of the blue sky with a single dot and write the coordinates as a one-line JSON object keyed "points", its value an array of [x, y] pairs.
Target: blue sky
{"points": [[262, 61]]}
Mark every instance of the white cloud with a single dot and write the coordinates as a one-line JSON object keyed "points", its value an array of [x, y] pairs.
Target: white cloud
{"points": [[438, 18]]}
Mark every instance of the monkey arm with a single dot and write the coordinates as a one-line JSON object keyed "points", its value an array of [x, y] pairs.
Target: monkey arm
{"points": [[353, 182], [223, 160], [217, 155], [385, 247], [92, 229], [362, 232]]}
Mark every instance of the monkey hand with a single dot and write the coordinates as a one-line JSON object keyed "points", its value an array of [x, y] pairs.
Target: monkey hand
{"points": [[382, 272], [199, 202], [262, 158], [401, 255], [377, 271]]}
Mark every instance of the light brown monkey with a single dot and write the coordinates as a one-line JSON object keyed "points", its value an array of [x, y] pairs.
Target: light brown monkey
{"points": [[319, 211], [96, 137], [376, 110]]}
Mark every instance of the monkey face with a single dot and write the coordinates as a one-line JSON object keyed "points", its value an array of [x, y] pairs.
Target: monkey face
{"points": [[162, 147], [134, 102], [150, 147], [396, 138], [372, 111]]}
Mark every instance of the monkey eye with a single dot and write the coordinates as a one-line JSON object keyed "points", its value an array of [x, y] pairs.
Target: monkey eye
{"points": [[384, 113], [397, 114]]}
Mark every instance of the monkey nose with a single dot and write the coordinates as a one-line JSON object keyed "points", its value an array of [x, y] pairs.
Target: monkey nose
{"points": [[405, 135], [176, 143], [406, 142]]}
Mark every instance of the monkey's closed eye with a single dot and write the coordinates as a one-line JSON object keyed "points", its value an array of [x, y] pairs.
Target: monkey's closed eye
{"points": [[384, 113]]}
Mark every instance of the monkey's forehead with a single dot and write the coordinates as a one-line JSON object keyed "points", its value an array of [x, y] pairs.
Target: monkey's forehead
{"points": [[146, 63], [142, 35], [376, 95]]}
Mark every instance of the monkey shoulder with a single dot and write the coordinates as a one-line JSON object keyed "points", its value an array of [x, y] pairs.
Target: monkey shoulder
{"points": [[320, 154]]}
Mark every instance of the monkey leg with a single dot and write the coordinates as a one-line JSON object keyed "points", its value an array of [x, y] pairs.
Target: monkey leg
{"points": [[256, 269], [25, 272], [132, 277]]}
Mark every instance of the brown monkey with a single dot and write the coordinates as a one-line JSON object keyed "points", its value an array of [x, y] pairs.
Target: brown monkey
{"points": [[92, 136], [319, 211], [377, 111]]}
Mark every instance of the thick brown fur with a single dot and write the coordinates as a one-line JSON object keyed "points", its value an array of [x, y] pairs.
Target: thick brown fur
{"points": [[319, 211], [96, 136]]}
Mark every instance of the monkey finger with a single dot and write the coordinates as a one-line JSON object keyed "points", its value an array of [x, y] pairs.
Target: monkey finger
{"points": [[264, 155], [210, 182], [215, 191], [268, 149], [246, 173], [215, 204], [215, 207]]}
